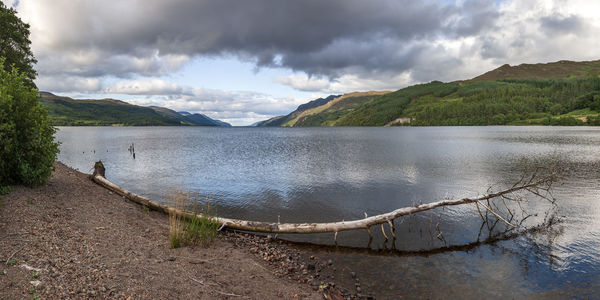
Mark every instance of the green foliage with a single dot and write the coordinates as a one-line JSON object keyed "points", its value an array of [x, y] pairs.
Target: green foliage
{"points": [[506, 102], [330, 115], [510, 102], [68, 112], [65, 111], [386, 108], [5, 189], [562, 121], [28, 150], [194, 229], [14, 44], [593, 120], [200, 230]]}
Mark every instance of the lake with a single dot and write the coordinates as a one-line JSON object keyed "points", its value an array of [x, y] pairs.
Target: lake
{"points": [[333, 174]]}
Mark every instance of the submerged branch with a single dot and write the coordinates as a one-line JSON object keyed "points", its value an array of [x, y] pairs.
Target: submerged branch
{"points": [[527, 183]]}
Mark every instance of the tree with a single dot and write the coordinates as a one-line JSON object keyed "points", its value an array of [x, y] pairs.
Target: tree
{"points": [[14, 44], [27, 146]]}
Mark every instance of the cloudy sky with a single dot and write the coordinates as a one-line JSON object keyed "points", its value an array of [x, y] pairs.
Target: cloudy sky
{"points": [[245, 61]]}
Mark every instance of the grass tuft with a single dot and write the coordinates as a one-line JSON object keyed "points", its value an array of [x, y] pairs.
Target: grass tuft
{"points": [[5, 189], [198, 229]]}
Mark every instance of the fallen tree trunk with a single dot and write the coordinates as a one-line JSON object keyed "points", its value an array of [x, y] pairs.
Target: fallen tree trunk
{"points": [[530, 185]]}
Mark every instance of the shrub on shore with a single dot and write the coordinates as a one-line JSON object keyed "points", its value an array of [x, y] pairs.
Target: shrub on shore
{"points": [[196, 230], [27, 148]]}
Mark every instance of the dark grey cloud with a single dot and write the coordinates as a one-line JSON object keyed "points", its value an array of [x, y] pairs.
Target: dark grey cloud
{"points": [[559, 24], [476, 16], [491, 47], [331, 38]]}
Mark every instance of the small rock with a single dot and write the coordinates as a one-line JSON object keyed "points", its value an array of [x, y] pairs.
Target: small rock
{"points": [[358, 289], [330, 262], [353, 274], [171, 258]]}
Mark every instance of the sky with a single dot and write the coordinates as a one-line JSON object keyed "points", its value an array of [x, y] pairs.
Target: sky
{"points": [[246, 61]]}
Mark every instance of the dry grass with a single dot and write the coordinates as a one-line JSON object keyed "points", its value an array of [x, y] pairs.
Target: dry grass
{"points": [[199, 229]]}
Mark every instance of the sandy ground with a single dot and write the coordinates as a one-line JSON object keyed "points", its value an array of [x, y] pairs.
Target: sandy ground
{"points": [[75, 239]]}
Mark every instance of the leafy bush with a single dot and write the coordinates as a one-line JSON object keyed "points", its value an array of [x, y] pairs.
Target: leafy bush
{"points": [[27, 147]]}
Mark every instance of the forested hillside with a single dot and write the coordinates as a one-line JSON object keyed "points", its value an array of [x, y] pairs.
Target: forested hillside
{"points": [[507, 102], [560, 93], [64, 111]]}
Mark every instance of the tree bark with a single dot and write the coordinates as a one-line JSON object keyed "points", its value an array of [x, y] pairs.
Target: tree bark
{"points": [[335, 227]]}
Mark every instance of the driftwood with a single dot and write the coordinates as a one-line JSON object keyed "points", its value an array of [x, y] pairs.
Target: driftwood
{"points": [[530, 182]]}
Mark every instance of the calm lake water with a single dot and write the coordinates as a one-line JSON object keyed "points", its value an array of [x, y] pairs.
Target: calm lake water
{"points": [[330, 174]]}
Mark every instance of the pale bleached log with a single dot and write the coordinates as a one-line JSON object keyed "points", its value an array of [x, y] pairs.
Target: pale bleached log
{"points": [[335, 227]]}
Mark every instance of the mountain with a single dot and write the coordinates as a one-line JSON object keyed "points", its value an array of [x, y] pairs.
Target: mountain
{"points": [[203, 120], [328, 113], [558, 93], [559, 69], [316, 103], [285, 120], [65, 111]]}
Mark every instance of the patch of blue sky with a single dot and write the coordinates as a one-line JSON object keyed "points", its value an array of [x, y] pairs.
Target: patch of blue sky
{"points": [[231, 74]]}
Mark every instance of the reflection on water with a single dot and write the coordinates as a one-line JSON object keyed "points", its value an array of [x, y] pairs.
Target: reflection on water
{"points": [[330, 174]]}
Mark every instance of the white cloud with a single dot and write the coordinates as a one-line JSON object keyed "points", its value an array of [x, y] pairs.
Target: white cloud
{"points": [[65, 83], [236, 107], [147, 87]]}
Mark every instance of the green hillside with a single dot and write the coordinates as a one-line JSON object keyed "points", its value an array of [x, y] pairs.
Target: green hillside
{"points": [[322, 111], [560, 93], [65, 111], [293, 116], [559, 69], [328, 114]]}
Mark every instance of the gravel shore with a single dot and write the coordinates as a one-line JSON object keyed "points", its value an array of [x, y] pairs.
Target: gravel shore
{"points": [[72, 238]]}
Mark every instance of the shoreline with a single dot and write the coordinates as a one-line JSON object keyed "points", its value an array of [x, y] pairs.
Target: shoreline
{"points": [[74, 238]]}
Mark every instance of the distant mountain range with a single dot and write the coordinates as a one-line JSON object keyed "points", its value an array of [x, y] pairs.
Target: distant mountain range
{"points": [[65, 111], [558, 93]]}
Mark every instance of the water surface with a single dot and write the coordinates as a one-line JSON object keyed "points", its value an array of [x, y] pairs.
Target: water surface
{"points": [[330, 174]]}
